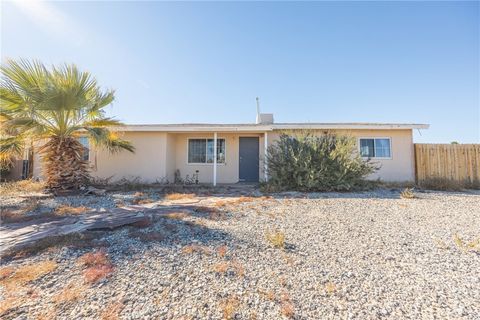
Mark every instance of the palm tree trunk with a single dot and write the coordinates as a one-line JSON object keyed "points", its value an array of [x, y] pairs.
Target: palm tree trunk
{"points": [[64, 167]]}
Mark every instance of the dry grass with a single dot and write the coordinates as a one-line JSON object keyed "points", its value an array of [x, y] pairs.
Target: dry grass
{"points": [[234, 266], [27, 273], [8, 215], [276, 238], [21, 187], [112, 311], [69, 210], [71, 293], [195, 248], [447, 185], [179, 196], [229, 307], [98, 266], [466, 246], [286, 306], [97, 273], [5, 272], [330, 288], [94, 258], [222, 251], [407, 193], [176, 215]]}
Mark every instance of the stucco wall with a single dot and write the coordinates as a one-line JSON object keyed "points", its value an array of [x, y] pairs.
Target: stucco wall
{"points": [[226, 173], [148, 162], [159, 154], [401, 166]]}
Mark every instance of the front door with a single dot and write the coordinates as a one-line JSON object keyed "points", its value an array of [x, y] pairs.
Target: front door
{"points": [[249, 159]]}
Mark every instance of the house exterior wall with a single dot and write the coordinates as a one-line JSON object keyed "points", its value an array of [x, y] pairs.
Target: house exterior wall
{"points": [[401, 166], [148, 163], [159, 154]]}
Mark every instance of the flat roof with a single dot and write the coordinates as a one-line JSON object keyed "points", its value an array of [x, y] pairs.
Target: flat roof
{"points": [[186, 127]]}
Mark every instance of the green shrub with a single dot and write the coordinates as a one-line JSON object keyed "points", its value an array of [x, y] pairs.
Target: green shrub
{"points": [[305, 162]]}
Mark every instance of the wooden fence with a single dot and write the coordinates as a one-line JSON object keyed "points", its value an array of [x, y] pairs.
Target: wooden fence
{"points": [[456, 162]]}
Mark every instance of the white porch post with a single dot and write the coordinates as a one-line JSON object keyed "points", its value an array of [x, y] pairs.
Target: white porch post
{"points": [[265, 162], [214, 159]]}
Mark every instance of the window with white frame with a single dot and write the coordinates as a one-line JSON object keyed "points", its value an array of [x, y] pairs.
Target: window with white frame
{"points": [[375, 148], [86, 148], [201, 151]]}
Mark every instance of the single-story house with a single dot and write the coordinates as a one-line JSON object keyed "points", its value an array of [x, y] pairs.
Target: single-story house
{"points": [[168, 152]]}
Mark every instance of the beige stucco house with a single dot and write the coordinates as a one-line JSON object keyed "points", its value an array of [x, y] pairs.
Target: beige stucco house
{"points": [[166, 152]]}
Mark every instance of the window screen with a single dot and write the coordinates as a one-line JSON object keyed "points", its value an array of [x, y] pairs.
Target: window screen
{"points": [[201, 150], [375, 148]]}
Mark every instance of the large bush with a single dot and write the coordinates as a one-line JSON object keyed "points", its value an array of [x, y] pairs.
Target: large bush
{"points": [[305, 162]]}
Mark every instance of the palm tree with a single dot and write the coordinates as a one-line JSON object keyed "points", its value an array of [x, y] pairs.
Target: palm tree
{"points": [[51, 109]]}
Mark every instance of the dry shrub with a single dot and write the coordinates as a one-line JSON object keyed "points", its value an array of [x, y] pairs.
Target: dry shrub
{"points": [[217, 215], [270, 294], [407, 193], [222, 251], [465, 246], [276, 238], [138, 194], [286, 306], [193, 248], [112, 311], [205, 209], [330, 288], [447, 184], [94, 258], [21, 187], [221, 267], [98, 266], [179, 196], [229, 307], [176, 215], [97, 273], [70, 293], [69, 210], [6, 272], [27, 273]]}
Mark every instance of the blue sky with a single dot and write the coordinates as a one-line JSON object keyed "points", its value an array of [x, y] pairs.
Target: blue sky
{"points": [[308, 62]]}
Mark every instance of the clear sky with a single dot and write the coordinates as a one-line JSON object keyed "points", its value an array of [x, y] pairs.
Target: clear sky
{"points": [[413, 62]]}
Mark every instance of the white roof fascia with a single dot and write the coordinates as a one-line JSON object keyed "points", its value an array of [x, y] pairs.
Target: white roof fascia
{"points": [[360, 126]]}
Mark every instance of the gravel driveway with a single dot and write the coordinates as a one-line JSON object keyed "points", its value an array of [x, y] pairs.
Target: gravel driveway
{"points": [[346, 256]]}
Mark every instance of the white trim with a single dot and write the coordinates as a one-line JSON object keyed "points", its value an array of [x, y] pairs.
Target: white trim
{"points": [[262, 128], [265, 162], [215, 158], [206, 146], [373, 138]]}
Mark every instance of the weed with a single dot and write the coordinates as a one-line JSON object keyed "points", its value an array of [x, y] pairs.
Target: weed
{"points": [[138, 194], [21, 187], [466, 246], [276, 238], [94, 258], [407, 193], [97, 273], [229, 307], [330, 287], [179, 196], [112, 311], [196, 248], [235, 266], [98, 266], [222, 251], [286, 306], [176, 215], [69, 210], [221, 267], [70, 293], [27, 273]]}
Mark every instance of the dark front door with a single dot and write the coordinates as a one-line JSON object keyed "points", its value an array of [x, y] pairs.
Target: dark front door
{"points": [[249, 159]]}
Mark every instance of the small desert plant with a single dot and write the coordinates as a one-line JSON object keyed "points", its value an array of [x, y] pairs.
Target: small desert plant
{"points": [[98, 266], [276, 238], [286, 306], [22, 186], [222, 251], [70, 293], [330, 288], [179, 196], [27, 273], [407, 193], [69, 210], [466, 246], [193, 248], [229, 307], [112, 311], [306, 162]]}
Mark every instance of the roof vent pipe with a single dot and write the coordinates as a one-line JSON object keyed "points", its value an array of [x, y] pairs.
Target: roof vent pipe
{"points": [[258, 111]]}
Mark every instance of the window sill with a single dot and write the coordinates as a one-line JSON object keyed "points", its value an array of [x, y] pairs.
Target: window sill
{"points": [[376, 158], [205, 164]]}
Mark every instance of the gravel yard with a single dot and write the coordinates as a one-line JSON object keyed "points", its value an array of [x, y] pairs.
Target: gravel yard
{"points": [[365, 255]]}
